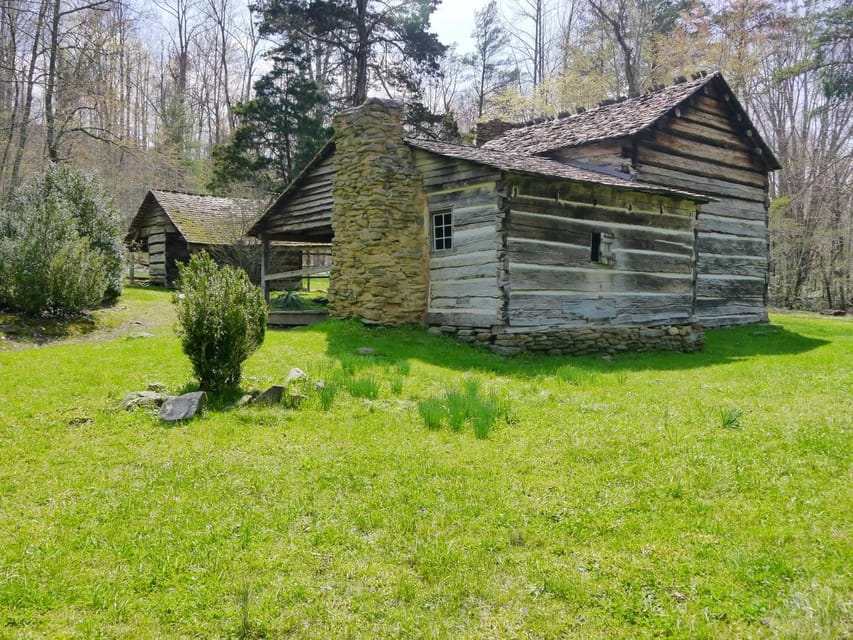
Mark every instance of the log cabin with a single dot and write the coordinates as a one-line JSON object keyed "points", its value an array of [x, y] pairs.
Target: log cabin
{"points": [[170, 226], [559, 249], [692, 135]]}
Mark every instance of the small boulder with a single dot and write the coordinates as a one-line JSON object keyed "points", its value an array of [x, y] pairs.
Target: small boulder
{"points": [[140, 334], [294, 375], [366, 351], [183, 407], [272, 395], [142, 399]]}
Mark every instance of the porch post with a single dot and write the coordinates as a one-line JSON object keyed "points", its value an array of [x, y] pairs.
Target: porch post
{"points": [[265, 251]]}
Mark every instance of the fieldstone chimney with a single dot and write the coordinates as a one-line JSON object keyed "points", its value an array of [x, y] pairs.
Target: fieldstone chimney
{"points": [[379, 211], [491, 129]]}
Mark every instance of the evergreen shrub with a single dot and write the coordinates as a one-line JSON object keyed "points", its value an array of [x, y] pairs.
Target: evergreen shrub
{"points": [[61, 248], [222, 319]]}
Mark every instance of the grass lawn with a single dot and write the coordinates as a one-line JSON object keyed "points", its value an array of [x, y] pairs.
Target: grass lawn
{"points": [[652, 495]]}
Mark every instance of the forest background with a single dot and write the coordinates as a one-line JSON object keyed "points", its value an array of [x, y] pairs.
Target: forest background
{"points": [[232, 98]]}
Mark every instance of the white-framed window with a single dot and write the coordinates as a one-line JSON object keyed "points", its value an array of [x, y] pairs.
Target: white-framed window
{"points": [[601, 247], [442, 230]]}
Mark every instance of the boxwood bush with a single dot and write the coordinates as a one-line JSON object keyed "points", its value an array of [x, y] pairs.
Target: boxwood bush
{"points": [[222, 319]]}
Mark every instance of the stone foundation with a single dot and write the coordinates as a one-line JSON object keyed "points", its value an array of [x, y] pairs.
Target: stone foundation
{"points": [[380, 267], [581, 340]]}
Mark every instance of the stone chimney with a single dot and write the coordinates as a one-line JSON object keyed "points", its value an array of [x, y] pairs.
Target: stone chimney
{"points": [[492, 129], [380, 266]]}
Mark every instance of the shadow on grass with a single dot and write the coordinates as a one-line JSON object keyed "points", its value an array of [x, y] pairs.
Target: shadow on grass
{"points": [[24, 331], [394, 345]]}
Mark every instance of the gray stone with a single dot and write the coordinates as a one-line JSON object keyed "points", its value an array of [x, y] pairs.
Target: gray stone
{"points": [[142, 399], [434, 331], [141, 334], [272, 395], [295, 374], [365, 351], [183, 407]]}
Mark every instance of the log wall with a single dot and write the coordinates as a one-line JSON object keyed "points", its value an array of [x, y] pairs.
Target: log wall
{"points": [[553, 281], [308, 213], [703, 147], [463, 281], [162, 240]]}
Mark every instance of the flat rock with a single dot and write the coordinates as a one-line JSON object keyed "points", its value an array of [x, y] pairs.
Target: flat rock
{"points": [[183, 407], [366, 351], [140, 334], [142, 399], [272, 395]]}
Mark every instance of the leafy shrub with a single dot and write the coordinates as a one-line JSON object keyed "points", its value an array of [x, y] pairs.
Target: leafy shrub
{"points": [[60, 245], [222, 320]]}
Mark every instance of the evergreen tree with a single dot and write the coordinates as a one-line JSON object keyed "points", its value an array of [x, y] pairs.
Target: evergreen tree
{"points": [[278, 131], [369, 40]]}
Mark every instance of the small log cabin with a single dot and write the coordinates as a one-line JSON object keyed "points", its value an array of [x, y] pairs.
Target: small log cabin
{"points": [[170, 226], [693, 135], [558, 249]]}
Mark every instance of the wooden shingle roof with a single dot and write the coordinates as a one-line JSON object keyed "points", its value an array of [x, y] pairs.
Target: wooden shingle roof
{"points": [[539, 166], [201, 219], [619, 119]]}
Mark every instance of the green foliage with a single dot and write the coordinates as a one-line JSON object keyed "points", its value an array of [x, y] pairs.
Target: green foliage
{"points": [[222, 321], [364, 387], [460, 407], [730, 417], [280, 129], [60, 245]]}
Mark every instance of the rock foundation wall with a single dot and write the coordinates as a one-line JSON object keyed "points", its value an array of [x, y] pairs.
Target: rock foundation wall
{"points": [[380, 268], [582, 340]]}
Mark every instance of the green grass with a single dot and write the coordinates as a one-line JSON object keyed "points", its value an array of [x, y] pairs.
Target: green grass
{"points": [[614, 504]]}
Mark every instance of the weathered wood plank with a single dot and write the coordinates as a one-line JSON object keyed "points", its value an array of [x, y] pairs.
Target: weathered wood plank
{"points": [[464, 272], [462, 318], [297, 273], [651, 261], [674, 162], [753, 267], [708, 186], [482, 303], [548, 253], [532, 226], [483, 192], [708, 223], [439, 261], [734, 208], [475, 239], [566, 192], [726, 245], [703, 133], [577, 309], [731, 287], [602, 214], [709, 307], [531, 277], [668, 143], [472, 287]]}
